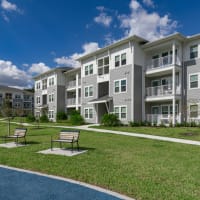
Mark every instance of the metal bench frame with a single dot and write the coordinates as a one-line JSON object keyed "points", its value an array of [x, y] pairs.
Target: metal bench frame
{"points": [[17, 134], [67, 136]]}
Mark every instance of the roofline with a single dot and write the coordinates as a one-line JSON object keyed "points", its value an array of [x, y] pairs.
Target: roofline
{"points": [[50, 71], [177, 36], [101, 50], [192, 37], [72, 70]]}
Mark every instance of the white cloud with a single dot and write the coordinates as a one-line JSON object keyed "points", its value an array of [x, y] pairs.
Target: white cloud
{"points": [[148, 25], [149, 3], [100, 8], [71, 60], [103, 19], [38, 68], [5, 17], [11, 75], [6, 5]]}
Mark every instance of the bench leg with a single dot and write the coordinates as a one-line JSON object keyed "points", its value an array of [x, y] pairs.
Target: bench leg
{"points": [[72, 147], [77, 145]]}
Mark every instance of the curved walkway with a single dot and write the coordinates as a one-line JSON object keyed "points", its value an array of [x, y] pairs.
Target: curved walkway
{"points": [[23, 185]]}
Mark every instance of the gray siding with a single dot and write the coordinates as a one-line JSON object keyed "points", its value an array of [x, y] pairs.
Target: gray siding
{"points": [[124, 98], [88, 81], [138, 93]]}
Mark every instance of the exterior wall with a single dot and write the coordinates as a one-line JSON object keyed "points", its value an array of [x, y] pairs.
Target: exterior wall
{"points": [[124, 98]]}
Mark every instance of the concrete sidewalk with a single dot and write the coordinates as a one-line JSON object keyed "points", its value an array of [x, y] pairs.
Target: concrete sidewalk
{"points": [[139, 135]]}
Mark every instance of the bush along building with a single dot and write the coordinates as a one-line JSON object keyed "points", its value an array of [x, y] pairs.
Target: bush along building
{"points": [[135, 79], [15, 102]]}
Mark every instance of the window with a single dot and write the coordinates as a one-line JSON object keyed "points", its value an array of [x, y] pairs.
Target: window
{"points": [[193, 111], [8, 96], [17, 96], [194, 81], [120, 86], [123, 59], [89, 91], [51, 114], [37, 85], [88, 70], [38, 100], [120, 112], [193, 51], [51, 81], [44, 84], [51, 97], [103, 65], [117, 61], [88, 113]]}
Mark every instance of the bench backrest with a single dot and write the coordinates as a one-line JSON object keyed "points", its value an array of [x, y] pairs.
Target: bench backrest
{"points": [[69, 135], [20, 132]]}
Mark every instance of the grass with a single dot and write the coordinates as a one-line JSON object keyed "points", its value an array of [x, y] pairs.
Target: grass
{"points": [[140, 168], [190, 133]]}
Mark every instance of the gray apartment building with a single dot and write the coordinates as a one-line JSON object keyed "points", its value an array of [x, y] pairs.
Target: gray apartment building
{"points": [[138, 80], [18, 99]]}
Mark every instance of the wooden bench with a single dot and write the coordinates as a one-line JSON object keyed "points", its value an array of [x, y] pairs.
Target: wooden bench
{"points": [[18, 133], [67, 136]]}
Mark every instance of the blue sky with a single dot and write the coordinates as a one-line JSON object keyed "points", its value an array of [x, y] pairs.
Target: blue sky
{"points": [[36, 35]]}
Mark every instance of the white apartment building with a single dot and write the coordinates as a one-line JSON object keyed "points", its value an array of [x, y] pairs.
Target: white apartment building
{"points": [[138, 80]]}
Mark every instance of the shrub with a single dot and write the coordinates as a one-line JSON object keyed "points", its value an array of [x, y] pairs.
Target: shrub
{"points": [[30, 118], [133, 124], [44, 118], [110, 120], [61, 116], [76, 118]]}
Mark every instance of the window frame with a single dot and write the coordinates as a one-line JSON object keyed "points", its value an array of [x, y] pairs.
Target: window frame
{"points": [[89, 93], [103, 67], [197, 74], [88, 113], [197, 111], [119, 114], [120, 86], [193, 54]]}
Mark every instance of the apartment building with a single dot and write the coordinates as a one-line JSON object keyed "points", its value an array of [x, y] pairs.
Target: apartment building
{"points": [[50, 93], [18, 99], [138, 80]]}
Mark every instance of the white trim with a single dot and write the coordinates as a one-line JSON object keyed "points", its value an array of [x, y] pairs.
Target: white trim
{"points": [[120, 107], [70, 181], [88, 86], [198, 79], [191, 104], [89, 108], [120, 86]]}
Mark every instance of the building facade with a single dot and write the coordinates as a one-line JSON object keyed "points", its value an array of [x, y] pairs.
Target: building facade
{"points": [[138, 80], [50, 93], [21, 101]]}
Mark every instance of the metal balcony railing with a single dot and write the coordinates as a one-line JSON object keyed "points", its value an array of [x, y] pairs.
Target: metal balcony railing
{"points": [[161, 90], [161, 62]]}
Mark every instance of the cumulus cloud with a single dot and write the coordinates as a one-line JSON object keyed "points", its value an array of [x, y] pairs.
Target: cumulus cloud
{"points": [[6, 5], [71, 60], [38, 68], [145, 24], [11, 75], [149, 3], [103, 19]]}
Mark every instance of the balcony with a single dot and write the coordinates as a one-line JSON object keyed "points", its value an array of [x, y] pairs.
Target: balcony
{"points": [[71, 102], [160, 65], [163, 90], [166, 119], [72, 84]]}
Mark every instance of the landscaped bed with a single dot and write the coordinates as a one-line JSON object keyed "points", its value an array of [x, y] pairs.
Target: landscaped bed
{"points": [[140, 168]]}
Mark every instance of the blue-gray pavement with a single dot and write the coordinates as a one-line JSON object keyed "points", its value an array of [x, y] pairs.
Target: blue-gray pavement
{"points": [[16, 185]]}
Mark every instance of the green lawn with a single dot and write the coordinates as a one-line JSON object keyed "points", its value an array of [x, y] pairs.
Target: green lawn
{"points": [[190, 133], [140, 168]]}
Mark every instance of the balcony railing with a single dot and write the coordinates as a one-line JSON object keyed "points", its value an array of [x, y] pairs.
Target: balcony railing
{"points": [[72, 101], [72, 84], [161, 62], [162, 118], [161, 90]]}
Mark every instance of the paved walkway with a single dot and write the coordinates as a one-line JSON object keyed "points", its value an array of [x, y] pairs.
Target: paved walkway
{"points": [[23, 184], [140, 135]]}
